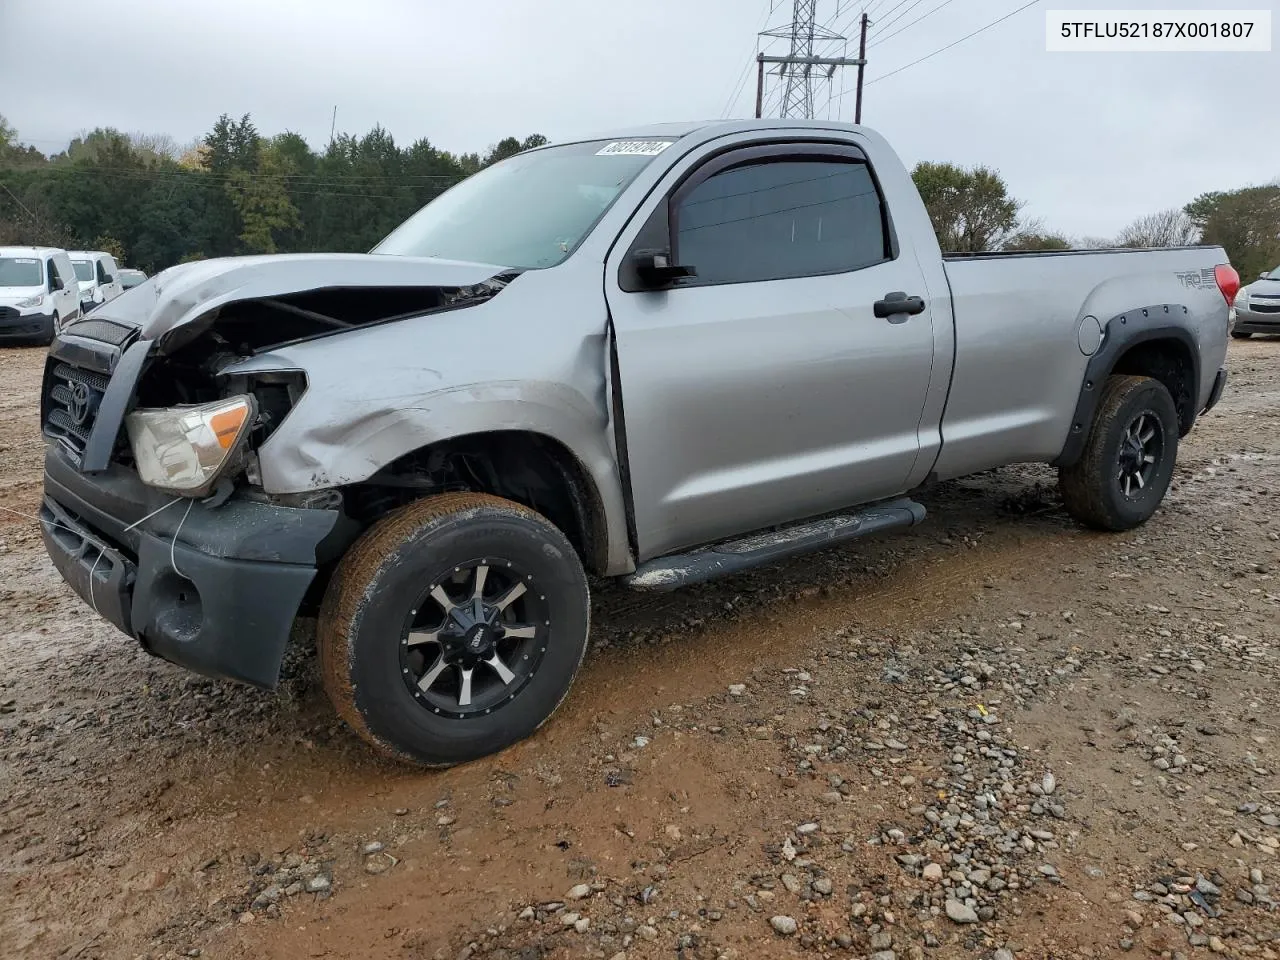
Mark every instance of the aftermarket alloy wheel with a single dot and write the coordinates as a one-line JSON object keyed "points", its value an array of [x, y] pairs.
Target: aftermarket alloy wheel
{"points": [[453, 628], [1128, 459]]}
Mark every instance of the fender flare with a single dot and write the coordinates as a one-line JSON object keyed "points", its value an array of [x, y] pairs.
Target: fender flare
{"points": [[1165, 321]]}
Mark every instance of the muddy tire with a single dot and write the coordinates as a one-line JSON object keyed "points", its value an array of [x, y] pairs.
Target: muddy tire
{"points": [[453, 628], [1128, 459]]}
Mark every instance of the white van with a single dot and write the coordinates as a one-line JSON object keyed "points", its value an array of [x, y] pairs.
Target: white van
{"points": [[98, 275], [38, 293]]}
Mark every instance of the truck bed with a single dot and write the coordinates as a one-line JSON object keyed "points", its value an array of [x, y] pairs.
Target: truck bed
{"points": [[1014, 254], [1022, 322]]}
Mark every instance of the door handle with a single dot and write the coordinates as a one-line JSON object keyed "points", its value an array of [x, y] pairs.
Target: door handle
{"points": [[898, 305]]}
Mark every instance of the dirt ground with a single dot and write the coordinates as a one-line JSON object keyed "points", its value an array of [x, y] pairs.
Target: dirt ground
{"points": [[996, 736]]}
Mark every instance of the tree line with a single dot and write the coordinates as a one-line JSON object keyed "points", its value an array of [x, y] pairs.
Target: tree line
{"points": [[154, 203], [973, 211]]}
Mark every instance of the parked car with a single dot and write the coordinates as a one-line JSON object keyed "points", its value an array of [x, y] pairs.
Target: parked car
{"points": [[130, 278], [663, 357], [1258, 307], [98, 276], [38, 293]]}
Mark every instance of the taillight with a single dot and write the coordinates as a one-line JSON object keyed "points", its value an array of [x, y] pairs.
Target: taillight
{"points": [[1228, 281]]}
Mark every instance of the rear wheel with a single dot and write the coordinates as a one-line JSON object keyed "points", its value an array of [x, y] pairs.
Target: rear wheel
{"points": [[453, 628], [1128, 459]]}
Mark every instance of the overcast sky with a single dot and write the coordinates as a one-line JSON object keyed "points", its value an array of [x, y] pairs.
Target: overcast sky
{"points": [[1089, 141]]}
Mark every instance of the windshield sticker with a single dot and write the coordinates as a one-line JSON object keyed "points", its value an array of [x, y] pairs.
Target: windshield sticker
{"points": [[634, 148], [24, 260]]}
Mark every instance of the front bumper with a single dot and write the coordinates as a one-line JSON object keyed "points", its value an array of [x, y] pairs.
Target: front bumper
{"points": [[27, 327], [1252, 321], [213, 589]]}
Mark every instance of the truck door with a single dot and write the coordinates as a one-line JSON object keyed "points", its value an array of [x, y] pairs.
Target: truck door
{"points": [[766, 388]]}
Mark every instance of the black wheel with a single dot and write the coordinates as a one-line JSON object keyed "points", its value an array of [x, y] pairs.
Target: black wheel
{"points": [[1127, 463], [1241, 334], [55, 328], [453, 628]]}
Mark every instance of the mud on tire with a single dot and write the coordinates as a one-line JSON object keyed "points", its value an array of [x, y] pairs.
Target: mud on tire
{"points": [[1128, 459], [453, 628]]}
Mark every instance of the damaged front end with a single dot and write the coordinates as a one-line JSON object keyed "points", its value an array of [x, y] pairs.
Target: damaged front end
{"points": [[153, 511], [169, 344]]}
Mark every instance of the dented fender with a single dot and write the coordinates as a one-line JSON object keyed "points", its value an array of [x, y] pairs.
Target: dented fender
{"points": [[523, 361]]}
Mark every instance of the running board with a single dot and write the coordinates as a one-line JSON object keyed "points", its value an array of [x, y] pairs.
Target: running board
{"points": [[734, 556]]}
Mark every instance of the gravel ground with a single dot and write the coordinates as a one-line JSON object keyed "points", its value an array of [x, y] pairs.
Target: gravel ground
{"points": [[995, 736]]}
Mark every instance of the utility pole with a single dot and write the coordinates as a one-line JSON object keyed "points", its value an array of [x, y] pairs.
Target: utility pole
{"points": [[333, 124], [759, 84], [797, 99], [796, 67], [862, 66]]}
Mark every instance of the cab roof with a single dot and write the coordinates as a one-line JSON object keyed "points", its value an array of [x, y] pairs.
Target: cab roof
{"points": [[677, 131], [33, 252]]}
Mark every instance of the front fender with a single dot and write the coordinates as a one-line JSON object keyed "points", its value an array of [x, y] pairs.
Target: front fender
{"points": [[333, 438]]}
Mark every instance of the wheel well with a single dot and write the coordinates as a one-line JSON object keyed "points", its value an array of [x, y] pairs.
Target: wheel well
{"points": [[1170, 361], [529, 468]]}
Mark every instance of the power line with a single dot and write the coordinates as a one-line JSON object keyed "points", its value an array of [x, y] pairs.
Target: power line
{"points": [[889, 23], [746, 70], [890, 11], [798, 100], [968, 36], [796, 67], [908, 26]]}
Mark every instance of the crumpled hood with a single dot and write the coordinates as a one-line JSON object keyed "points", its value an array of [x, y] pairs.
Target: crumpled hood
{"points": [[185, 293]]}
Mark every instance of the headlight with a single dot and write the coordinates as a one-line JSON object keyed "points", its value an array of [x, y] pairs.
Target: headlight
{"points": [[186, 449], [1242, 299], [32, 301]]}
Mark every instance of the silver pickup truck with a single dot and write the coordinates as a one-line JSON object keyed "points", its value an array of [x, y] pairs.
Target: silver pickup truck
{"points": [[664, 356]]}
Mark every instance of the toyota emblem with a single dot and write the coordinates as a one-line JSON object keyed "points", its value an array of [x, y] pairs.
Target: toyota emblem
{"points": [[80, 398]]}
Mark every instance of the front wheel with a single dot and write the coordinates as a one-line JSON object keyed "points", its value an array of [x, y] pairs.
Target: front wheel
{"points": [[453, 628], [1128, 459]]}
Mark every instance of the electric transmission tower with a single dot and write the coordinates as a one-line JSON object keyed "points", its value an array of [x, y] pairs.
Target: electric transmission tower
{"points": [[795, 69]]}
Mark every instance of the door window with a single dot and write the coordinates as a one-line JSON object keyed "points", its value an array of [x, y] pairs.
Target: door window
{"points": [[781, 218]]}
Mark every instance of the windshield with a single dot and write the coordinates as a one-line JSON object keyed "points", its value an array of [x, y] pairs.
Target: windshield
{"points": [[20, 272], [84, 269], [527, 212], [131, 278]]}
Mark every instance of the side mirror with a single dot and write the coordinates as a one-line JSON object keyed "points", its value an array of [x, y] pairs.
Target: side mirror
{"points": [[655, 269], [55, 284], [1264, 275]]}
